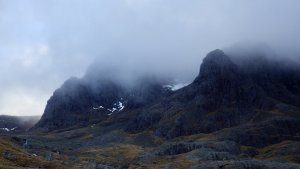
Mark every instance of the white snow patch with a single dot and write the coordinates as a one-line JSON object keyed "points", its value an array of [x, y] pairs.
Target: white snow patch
{"points": [[167, 86], [13, 128], [121, 106], [5, 129], [109, 114], [176, 86], [113, 109], [100, 107], [118, 106]]}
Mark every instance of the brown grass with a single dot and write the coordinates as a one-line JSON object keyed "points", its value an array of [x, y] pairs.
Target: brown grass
{"points": [[272, 153], [12, 156], [117, 155]]}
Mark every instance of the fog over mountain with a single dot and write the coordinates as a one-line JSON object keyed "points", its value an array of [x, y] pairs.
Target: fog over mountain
{"points": [[43, 43]]}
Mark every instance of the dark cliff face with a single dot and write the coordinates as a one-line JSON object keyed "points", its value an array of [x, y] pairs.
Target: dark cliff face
{"points": [[225, 94], [222, 84], [80, 102]]}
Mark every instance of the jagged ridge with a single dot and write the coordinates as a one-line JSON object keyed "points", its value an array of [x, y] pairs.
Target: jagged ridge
{"points": [[225, 94]]}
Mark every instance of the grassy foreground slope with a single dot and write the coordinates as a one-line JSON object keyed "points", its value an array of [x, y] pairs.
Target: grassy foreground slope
{"points": [[13, 156], [91, 148]]}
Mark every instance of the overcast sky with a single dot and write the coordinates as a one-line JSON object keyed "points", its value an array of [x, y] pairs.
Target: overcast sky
{"points": [[42, 43]]}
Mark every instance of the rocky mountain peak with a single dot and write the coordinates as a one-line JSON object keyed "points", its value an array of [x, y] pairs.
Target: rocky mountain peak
{"points": [[216, 65], [253, 103], [223, 95], [217, 57], [91, 99]]}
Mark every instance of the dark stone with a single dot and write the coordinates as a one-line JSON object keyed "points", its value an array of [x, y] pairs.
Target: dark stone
{"points": [[259, 99], [73, 104], [225, 95]]}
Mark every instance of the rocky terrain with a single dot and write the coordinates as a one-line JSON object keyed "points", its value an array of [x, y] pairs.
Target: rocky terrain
{"points": [[237, 113]]}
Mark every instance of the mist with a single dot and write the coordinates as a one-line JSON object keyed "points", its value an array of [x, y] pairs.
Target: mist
{"points": [[43, 43]]}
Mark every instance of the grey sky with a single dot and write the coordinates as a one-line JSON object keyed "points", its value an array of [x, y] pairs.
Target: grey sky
{"points": [[42, 43]]}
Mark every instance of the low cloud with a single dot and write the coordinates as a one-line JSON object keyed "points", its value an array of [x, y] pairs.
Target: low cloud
{"points": [[45, 42]]}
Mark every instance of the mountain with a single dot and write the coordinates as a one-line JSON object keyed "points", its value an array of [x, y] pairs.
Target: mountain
{"points": [[228, 92], [239, 112], [80, 102], [9, 124], [224, 95]]}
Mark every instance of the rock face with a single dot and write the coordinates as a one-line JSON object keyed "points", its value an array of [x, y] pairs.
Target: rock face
{"points": [[249, 96], [237, 113], [227, 94], [80, 102]]}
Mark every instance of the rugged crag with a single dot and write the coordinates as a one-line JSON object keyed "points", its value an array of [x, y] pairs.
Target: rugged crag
{"points": [[80, 102], [237, 113], [227, 93]]}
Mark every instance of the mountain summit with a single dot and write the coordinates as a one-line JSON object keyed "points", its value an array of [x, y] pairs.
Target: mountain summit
{"points": [[80, 102], [225, 95]]}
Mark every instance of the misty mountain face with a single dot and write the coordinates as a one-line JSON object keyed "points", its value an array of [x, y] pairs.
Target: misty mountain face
{"points": [[92, 99], [254, 97], [13, 124], [228, 93]]}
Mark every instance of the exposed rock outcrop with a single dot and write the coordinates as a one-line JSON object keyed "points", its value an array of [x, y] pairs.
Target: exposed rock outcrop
{"points": [[225, 94], [80, 102]]}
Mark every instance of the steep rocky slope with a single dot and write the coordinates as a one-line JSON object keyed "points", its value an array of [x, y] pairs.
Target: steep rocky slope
{"points": [[89, 100], [227, 92], [237, 113], [224, 95]]}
